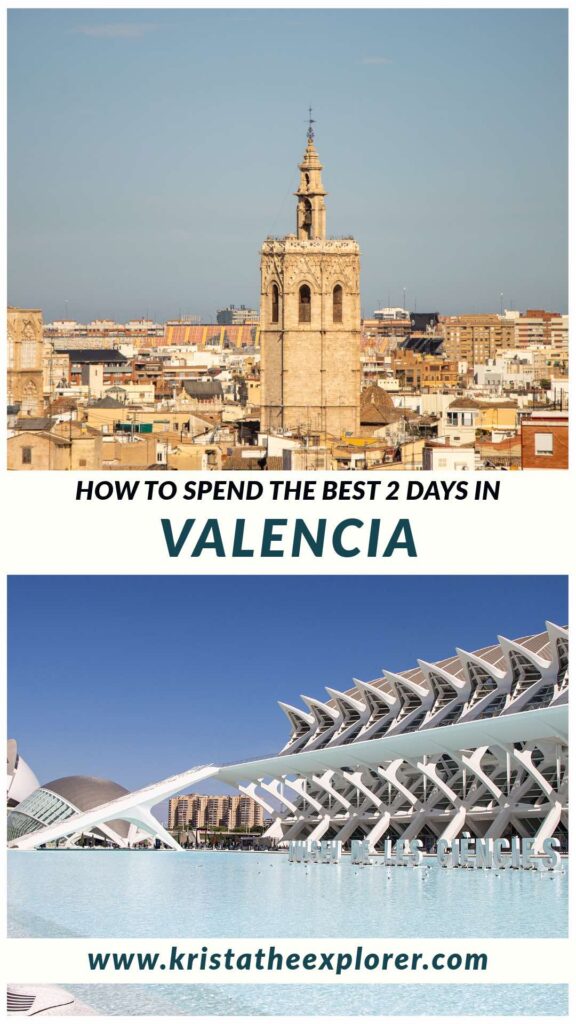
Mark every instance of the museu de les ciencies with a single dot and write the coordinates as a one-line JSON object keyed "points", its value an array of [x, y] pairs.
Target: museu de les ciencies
{"points": [[476, 743]]}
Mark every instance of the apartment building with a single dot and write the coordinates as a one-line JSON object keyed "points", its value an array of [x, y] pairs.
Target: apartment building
{"points": [[197, 810], [477, 338]]}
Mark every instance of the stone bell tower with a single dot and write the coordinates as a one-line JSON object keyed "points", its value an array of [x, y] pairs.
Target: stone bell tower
{"points": [[310, 320]]}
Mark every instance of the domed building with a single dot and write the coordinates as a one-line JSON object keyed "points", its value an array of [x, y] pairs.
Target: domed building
{"points": [[20, 779], [62, 798]]}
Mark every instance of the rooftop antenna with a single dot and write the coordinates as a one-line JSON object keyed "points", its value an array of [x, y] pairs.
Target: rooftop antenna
{"points": [[311, 121]]}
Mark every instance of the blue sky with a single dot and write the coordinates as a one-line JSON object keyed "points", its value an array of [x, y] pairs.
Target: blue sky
{"points": [[151, 151], [135, 678]]}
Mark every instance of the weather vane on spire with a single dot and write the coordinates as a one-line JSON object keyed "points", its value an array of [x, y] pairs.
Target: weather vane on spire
{"points": [[311, 121]]}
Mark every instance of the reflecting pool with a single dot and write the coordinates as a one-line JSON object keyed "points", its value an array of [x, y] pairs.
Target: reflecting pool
{"points": [[90, 893], [325, 1000]]}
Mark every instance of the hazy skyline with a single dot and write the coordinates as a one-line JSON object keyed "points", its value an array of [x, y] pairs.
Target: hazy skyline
{"points": [[151, 151], [135, 678]]}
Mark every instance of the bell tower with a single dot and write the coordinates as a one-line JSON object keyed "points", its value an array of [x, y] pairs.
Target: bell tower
{"points": [[310, 320], [311, 209]]}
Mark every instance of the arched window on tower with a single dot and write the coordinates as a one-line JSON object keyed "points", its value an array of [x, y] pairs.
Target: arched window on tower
{"points": [[307, 218], [275, 311], [304, 304], [337, 304]]}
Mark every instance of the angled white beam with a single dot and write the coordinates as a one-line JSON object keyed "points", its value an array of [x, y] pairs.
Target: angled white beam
{"points": [[356, 779], [302, 724], [325, 782], [349, 706], [467, 659], [512, 647], [252, 791], [409, 692], [275, 788], [299, 786], [460, 687], [296, 716], [383, 708], [500, 681], [327, 720], [353, 713], [324, 715]]}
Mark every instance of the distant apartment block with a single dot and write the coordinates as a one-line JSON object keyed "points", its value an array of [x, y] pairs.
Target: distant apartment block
{"points": [[477, 338], [234, 315], [205, 812], [421, 372], [539, 327], [102, 328]]}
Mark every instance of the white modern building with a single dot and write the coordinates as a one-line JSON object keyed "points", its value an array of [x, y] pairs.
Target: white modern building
{"points": [[474, 743], [58, 803], [20, 779], [391, 313]]}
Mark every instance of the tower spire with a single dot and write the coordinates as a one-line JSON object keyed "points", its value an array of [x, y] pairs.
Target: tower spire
{"points": [[311, 121], [311, 211]]}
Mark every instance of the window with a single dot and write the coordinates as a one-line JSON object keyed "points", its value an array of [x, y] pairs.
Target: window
{"points": [[307, 218], [337, 304], [304, 304], [81, 462], [28, 354], [26, 456], [544, 444], [275, 304]]}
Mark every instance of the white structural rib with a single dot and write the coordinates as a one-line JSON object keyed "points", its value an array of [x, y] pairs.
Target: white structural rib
{"points": [[415, 701], [383, 708], [489, 686], [351, 709], [531, 676], [327, 721], [558, 640], [353, 714], [302, 722], [449, 695]]}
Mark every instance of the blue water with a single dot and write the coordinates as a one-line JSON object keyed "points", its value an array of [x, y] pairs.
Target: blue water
{"points": [[325, 1000], [143, 894]]}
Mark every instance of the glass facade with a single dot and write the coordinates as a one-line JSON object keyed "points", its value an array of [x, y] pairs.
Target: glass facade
{"points": [[41, 808]]}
